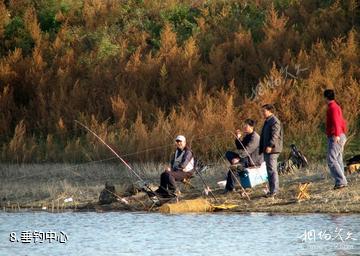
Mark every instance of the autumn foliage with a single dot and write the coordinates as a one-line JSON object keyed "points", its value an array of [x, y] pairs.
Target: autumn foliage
{"points": [[138, 72]]}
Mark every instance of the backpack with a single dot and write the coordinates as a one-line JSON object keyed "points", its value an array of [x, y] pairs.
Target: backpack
{"points": [[294, 162], [108, 194]]}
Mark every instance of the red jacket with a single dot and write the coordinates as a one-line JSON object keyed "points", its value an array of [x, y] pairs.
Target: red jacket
{"points": [[335, 123]]}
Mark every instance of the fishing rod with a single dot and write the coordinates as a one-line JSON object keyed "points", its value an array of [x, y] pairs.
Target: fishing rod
{"points": [[153, 194], [248, 154], [119, 198], [123, 155], [117, 155], [233, 175], [206, 186]]}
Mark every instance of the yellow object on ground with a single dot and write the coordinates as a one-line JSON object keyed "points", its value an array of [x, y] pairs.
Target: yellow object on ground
{"points": [[195, 205], [353, 168], [224, 207], [303, 193]]}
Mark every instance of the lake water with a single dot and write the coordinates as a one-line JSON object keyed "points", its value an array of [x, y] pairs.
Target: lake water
{"points": [[119, 233]]}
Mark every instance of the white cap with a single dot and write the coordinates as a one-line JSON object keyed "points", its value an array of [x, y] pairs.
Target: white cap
{"points": [[180, 137]]}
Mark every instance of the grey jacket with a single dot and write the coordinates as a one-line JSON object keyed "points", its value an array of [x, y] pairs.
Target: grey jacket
{"points": [[251, 144], [271, 135]]}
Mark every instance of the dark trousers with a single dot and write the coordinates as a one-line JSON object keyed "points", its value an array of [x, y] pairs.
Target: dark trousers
{"points": [[230, 180], [168, 180], [231, 155], [271, 167], [231, 177]]}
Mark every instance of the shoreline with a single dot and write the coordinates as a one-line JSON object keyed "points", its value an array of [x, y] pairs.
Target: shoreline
{"points": [[240, 212], [51, 188], [256, 205]]}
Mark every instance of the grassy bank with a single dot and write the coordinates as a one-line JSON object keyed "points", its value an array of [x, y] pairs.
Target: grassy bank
{"points": [[323, 199], [35, 185], [38, 186]]}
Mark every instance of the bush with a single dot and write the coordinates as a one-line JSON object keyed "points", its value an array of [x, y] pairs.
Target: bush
{"points": [[135, 70], [16, 36]]}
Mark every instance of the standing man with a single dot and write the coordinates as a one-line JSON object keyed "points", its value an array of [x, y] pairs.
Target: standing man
{"points": [[335, 131], [181, 167], [271, 144], [248, 154]]}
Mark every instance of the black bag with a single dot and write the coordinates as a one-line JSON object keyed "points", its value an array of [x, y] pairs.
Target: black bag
{"points": [[108, 194], [295, 161], [353, 160], [353, 164]]}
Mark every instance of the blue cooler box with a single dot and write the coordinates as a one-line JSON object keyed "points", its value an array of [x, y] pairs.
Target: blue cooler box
{"points": [[251, 177]]}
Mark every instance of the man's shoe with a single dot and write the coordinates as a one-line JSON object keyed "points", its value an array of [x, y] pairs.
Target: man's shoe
{"points": [[228, 191], [339, 187], [271, 195], [150, 193], [162, 193]]}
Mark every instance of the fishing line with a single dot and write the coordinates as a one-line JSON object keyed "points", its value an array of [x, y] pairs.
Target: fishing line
{"points": [[123, 161], [234, 176], [73, 166], [111, 149], [248, 154]]}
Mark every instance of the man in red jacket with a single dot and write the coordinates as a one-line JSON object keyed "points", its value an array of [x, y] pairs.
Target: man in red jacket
{"points": [[335, 131]]}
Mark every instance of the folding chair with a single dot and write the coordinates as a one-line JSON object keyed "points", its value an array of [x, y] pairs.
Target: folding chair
{"points": [[199, 168], [303, 193]]}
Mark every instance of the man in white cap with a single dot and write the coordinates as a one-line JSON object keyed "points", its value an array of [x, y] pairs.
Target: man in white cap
{"points": [[181, 167]]}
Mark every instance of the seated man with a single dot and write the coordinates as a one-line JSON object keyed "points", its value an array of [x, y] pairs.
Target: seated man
{"points": [[181, 167], [248, 154]]}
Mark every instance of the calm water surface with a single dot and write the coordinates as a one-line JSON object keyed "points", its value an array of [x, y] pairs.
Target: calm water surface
{"points": [[118, 233]]}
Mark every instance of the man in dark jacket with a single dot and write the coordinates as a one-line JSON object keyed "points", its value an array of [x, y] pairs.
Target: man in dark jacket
{"points": [[181, 167], [335, 131], [248, 154], [271, 144]]}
